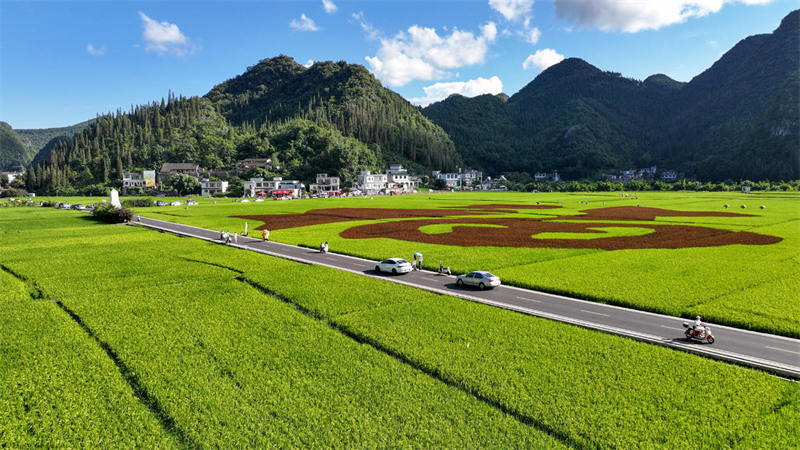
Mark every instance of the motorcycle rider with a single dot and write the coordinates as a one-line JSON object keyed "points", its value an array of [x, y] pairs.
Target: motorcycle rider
{"points": [[699, 328]]}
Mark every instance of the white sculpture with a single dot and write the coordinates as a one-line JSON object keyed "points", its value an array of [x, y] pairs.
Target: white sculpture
{"points": [[115, 199]]}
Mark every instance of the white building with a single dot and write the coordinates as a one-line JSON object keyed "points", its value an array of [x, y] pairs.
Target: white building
{"points": [[452, 179], [542, 176], [133, 179], [462, 178], [371, 182], [325, 184], [398, 179], [277, 187], [208, 187]]}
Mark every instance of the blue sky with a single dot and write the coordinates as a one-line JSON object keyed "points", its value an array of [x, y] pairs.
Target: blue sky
{"points": [[64, 62]]}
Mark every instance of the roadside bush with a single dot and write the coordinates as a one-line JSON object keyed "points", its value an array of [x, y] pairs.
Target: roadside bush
{"points": [[49, 203], [108, 213], [13, 193], [137, 203]]}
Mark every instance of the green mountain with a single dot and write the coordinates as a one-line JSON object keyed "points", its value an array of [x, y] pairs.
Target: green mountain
{"points": [[15, 150], [44, 139], [738, 119], [331, 117], [338, 95]]}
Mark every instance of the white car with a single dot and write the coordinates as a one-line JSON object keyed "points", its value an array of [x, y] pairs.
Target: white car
{"points": [[393, 265], [259, 200], [175, 204], [244, 201], [479, 278]]}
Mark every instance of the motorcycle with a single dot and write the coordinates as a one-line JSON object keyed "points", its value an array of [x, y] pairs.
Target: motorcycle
{"points": [[703, 334], [444, 270]]}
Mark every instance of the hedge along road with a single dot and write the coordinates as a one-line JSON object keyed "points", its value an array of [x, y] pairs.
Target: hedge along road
{"points": [[776, 354]]}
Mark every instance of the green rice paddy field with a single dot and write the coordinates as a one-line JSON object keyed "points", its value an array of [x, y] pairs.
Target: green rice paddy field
{"points": [[122, 337], [746, 286]]}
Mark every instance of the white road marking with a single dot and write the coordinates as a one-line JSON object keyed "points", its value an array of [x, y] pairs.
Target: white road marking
{"points": [[429, 279], [592, 312], [357, 264], [330, 259], [671, 328], [528, 299], [781, 349]]}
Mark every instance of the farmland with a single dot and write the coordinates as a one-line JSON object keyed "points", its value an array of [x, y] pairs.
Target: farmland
{"points": [[746, 284], [217, 347]]}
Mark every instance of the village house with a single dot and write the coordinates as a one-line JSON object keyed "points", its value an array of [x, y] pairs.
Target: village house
{"points": [[209, 187], [277, 187], [132, 179], [398, 179], [169, 169], [325, 185], [542, 176], [462, 178], [371, 183]]}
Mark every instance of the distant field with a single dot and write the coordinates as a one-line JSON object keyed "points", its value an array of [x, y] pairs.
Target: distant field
{"points": [[155, 341], [753, 286]]}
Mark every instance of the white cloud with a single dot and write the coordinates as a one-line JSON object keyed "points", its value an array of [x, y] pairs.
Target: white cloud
{"points": [[712, 44], [96, 51], [543, 59], [513, 9], [421, 54], [330, 8], [304, 24], [371, 32], [471, 88], [165, 38], [532, 35], [634, 16], [309, 63]]}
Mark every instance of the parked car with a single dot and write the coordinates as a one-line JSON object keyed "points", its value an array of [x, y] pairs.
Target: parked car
{"points": [[175, 204], [393, 265], [161, 203], [79, 207], [64, 205], [259, 200], [244, 201], [191, 202], [479, 278]]}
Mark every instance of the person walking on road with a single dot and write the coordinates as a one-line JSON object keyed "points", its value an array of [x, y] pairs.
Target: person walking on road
{"points": [[266, 235], [235, 238], [221, 235], [417, 261]]}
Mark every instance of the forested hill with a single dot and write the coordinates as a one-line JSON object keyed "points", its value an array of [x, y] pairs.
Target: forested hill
{"points": [[738, 119], [332, 117], [43, 140], [343, 96], [15, 150]]}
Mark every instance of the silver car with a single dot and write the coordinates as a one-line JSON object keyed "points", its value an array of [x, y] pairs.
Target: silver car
{"points": [[479, 278], [393, 265]]}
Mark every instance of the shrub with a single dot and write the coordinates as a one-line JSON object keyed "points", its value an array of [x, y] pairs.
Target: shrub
{"points": [[13, 193], [137, 203], [108, 213]]}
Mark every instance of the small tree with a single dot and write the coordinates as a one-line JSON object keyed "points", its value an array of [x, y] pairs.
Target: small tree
{"points": [[184, 184], [439, 184]]}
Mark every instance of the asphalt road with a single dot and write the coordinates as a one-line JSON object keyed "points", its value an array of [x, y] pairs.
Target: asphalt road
{"points": [[776, 354]]}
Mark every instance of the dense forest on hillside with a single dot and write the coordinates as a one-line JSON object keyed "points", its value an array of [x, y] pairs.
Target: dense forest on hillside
{"points": [[738, 119], [333, 117], [335, 95], [190, 129], [15, 150]]}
